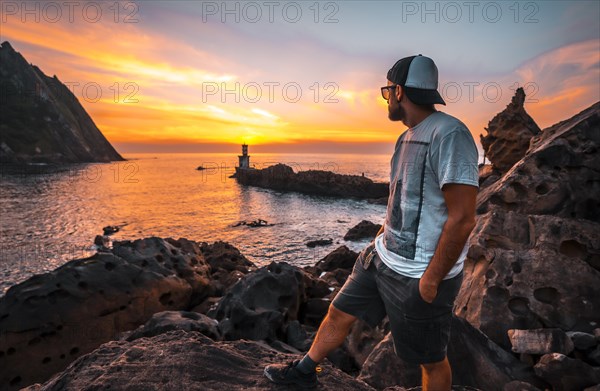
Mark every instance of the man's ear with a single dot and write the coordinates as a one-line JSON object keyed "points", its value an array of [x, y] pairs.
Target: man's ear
{"points": [[399, 92]]}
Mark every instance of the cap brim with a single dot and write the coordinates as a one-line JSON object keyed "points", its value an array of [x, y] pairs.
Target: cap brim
{"points": [[424, 97]]}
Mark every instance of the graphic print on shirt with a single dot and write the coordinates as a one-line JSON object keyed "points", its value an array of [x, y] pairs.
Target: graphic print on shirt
{"points": [[406, 198]]}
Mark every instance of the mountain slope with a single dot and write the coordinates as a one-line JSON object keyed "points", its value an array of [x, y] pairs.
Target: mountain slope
{"points": [[41, 120]]}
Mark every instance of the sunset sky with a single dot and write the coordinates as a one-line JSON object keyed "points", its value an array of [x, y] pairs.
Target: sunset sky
{"points": [[302, 76]]}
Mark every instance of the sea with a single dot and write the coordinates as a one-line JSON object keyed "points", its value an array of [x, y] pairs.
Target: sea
{"points": [[50, 214]]}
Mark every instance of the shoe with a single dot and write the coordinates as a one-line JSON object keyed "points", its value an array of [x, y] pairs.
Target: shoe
{"points": [[288, 374]]}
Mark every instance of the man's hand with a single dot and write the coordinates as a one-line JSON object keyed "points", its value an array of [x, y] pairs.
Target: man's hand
{"points": [[427, 289]]}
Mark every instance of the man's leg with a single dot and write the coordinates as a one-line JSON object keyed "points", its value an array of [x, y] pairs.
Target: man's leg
{"points": [[421, 330], [332, 333], [437, 376], [357, 298]]}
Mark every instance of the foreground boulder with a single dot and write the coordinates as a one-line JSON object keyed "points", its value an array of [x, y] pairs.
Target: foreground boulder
{"points": [[534, 255], [566, 374], [476, 361], [317, 182], [179, 360], [165, 321], [260, 303], [51, 319]]}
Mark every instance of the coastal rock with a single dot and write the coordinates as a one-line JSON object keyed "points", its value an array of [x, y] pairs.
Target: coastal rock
{"points": [[51, 319], [363, 230], [165, 321], [179, 360], [419, 388], [314, 310], [258, 306], [508, 134], [340, 258], [227, 265], [297, 337], [222, 255], [582, 341], [363, 338], [487, 175], [594, 356], [110, 229], [335, 267], [103, 242], [253, 224], [317, 182], [557, 176], [319, 242], [534, 255], [42, 120], [476, 362], [517, 385], [540, 341], [566, 374]]}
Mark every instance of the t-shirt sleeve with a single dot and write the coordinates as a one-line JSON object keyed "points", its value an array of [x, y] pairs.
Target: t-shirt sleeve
{"points": [[454, 159]]}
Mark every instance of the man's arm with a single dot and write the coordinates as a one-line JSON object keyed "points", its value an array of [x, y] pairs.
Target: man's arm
{"points": [[460, 201]]}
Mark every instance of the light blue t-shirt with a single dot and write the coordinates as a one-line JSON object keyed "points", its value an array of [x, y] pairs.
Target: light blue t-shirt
{"points": [[437, 151]]}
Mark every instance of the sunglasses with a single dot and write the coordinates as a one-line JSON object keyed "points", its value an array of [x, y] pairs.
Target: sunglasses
{"points": [[385, 91]]}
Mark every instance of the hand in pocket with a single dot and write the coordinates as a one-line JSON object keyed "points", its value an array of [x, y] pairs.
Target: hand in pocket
{"points": [[427, 290]]}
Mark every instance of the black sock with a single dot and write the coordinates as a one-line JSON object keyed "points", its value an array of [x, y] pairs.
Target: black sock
{"points": [[307, 365]]}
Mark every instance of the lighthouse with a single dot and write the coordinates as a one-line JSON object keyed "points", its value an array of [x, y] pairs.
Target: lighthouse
{"points": [[244, 157]]}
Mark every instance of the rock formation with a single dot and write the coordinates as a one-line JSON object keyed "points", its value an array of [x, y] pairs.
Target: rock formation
{"points": [[41, 120], [476, 361], [317, 182], [363, 230], [509, 133], [179, 360], [534, 255], [51, 319], [257, 307], [335, 267], [319, 242]]}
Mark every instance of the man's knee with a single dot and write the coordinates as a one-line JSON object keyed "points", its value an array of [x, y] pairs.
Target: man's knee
{"points": [[340, 317], [433, 366]]}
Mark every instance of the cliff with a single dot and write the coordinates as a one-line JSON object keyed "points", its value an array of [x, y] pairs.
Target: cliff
{"points": [[41, 120]]}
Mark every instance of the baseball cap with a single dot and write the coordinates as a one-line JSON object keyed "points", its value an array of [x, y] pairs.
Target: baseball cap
{"points": [[419, 77]]}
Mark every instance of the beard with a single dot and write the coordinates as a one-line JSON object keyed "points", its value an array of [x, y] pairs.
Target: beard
{"points": [[395, 111]]}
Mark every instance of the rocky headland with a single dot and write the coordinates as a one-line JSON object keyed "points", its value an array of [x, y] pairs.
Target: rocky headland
{"points": [[282, 177], [41, 120], [160, 313]]}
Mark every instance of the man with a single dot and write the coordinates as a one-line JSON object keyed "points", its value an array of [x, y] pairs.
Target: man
{"points": [[412, 270]]}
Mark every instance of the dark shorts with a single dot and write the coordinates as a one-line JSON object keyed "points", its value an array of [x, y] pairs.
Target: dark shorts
{"points": [[420, 330]]}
